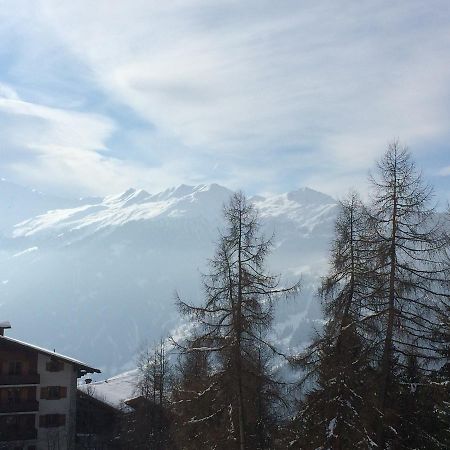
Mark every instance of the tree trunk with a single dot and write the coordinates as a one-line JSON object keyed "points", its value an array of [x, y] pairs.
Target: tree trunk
{"points": [[238, 350], [386, 362]]}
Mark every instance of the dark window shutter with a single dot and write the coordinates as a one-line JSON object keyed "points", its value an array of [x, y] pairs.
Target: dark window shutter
{"points": [[31, 394], [43, 421], [53, 392], [54, 365], [63, 391], [62, 419], [44, 392]]}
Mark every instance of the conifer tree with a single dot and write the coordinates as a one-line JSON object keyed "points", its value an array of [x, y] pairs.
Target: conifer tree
{"points": [[409, 279], [441, 375], [386, 297], [200, 413], [149, 425], [334, 413], [234, 321]]}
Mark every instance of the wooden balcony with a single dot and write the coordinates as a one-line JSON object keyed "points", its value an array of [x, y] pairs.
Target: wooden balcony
{"points": [[12, 380], [19, 434], [25, 406]]}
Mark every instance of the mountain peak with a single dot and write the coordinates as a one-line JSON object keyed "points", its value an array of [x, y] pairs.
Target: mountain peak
{"points": [[306, 196], [185, 190], [182, 190], [130, 196], [214, 189]]}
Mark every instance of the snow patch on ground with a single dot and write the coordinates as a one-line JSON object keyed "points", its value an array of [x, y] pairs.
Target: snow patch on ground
{"points": [[331, 427]]}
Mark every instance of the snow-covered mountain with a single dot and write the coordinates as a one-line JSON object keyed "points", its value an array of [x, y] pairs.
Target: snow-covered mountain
{"points": [[18, 203], [183, 202], [96, 278]]}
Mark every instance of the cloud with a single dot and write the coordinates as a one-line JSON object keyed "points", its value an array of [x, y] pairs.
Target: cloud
{"points": [[264, 88], [259, 70], [62, 149], [63, 128], [7, 92], [444, 172]]}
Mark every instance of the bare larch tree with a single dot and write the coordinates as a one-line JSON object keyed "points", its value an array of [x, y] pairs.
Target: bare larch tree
{"points": [[235, 320], [410, 277]]}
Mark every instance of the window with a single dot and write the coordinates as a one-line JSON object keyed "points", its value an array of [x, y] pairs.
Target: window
{"points": [[56, 392], [17, 421], [52, 420], [12, 421], [15, 368], [31, 394], [29, 420], [54, 365], [13, 395], [53, 392]]}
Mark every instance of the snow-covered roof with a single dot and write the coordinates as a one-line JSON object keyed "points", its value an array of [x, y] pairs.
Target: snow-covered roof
{"points": [[80, 365], [113, 391]]}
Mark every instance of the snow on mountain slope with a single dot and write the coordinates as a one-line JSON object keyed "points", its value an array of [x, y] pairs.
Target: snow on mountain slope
{"points": [[18, 203], [132, 205], [100, 277], [306, 207]]}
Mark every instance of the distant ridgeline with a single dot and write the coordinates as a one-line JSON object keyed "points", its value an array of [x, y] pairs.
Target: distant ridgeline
{"points": [[101, 272]]}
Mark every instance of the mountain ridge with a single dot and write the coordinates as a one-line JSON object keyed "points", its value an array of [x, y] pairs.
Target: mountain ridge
{"points": [[138, 204], [101, 275]]}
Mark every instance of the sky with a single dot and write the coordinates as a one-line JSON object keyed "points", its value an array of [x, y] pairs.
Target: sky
{"points": [[266, 96]]}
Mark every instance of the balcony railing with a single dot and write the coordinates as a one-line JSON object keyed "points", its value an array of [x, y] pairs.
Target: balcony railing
{"points": [[19, 379], [25, 406], [19, 434]]}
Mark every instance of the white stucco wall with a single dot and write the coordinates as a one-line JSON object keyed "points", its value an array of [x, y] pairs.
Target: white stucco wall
{"points": [[59, 438]]}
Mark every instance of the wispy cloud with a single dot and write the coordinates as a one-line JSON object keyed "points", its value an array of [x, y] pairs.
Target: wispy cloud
{"points": [[62, 149], [62, 128], [288, 92], [7, 92], [444, 172]]}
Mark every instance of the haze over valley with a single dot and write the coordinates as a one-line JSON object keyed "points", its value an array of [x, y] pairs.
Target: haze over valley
{"points": [[96, 277]]}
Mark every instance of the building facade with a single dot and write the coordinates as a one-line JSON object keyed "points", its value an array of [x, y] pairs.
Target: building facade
{"points": [[38, 392]]}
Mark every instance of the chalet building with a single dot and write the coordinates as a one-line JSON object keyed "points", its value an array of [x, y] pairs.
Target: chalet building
{"points": [[38, 392], [98, 423], [113, 415], [124, 425]]}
